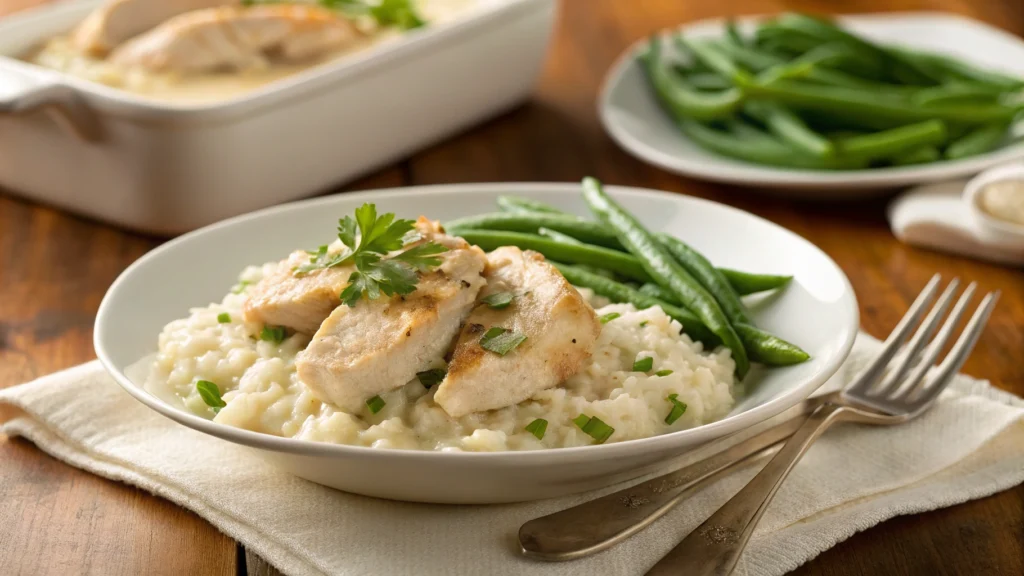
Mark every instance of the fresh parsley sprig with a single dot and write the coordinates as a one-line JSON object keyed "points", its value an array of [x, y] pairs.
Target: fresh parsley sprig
{"points": [[400, 13], [368, 240]]}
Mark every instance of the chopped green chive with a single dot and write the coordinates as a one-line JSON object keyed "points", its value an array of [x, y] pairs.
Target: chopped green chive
{"points": [[224, 318], [678, 409], [500, 340], [432, 377], [662, 372], [644, 323], [210, 394], [537, 428], [240, 287], [594, 427], [499, 300], [609, 317], [643, 364], [273, 334], [375, 404]]}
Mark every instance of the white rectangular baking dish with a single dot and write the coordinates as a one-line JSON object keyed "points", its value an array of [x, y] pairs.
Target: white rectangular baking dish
{"points": [[164, 169]]}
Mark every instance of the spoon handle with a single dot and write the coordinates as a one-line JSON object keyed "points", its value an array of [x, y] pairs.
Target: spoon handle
{"points": [[601, 523], [714, 547]]}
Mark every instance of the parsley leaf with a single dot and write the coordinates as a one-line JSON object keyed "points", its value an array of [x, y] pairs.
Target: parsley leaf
{"points": [[500, 340], [422, 257], [537, 428], [210, 394], [498, 300], [643, 364], [609, 317], [273, 334], [368, 240], [678, 409], [400, 13], [432, 377], [375, 404]]}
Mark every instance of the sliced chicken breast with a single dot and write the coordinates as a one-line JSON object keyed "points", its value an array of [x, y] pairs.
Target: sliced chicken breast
{"points": [[379, 345], [298, 302], [560, 329], [116, 21], [237, 37]]}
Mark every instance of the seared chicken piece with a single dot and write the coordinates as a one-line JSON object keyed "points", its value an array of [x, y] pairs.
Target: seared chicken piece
{"points": [[298, 302], [560, 329], [378, 345], [116, 21], [237, 37]]}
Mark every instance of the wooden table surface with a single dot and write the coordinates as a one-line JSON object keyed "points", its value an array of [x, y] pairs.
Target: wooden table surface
{"points": [[54, 269]]}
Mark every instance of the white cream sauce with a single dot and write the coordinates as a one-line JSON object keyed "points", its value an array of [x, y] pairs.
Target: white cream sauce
{"points": [[59, 54], [1004, 200]]}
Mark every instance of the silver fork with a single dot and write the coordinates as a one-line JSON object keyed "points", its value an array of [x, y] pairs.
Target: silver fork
{"points": [[874, 397]]}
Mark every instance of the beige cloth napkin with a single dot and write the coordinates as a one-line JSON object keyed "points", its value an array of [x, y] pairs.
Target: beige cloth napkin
{"points": [[970, 445]]}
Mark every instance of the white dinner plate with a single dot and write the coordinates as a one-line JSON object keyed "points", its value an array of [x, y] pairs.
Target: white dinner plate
{"points": [[631, 115], [817, 311]]}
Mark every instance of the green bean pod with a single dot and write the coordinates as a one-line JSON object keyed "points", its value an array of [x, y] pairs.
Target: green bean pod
{"points": [[922, 155], [713, 57], [763, 150], [707, 81], [746, 283], [732, 32], [889, 143], [891, 106], [586, 231], [566, 239], [618, 292], [761, 346], [520, 204], [711, 279], [789, 128], [680, 99], [660, 266], [620, 263], [769, 349], [978, 141]]}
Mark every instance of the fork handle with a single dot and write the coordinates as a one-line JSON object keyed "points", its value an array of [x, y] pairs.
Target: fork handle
{"points": [[714, 547], [601, 523]]}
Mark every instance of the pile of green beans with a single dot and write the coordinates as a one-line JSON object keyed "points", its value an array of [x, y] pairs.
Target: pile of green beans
{"points": [[802, 92], [606, 255]]}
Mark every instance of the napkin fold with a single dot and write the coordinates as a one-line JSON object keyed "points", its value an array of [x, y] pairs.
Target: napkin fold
{"points": [[970, 445]]}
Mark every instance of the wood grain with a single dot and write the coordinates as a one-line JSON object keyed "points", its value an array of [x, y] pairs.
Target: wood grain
{"points": [[54, 269]]}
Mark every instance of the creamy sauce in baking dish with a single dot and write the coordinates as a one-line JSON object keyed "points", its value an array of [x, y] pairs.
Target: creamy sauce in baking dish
{"points": [[60, 54]]}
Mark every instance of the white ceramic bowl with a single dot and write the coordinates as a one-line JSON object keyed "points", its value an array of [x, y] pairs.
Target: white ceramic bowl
{"points": [[167, 168], [818, 312], [635, 121]]}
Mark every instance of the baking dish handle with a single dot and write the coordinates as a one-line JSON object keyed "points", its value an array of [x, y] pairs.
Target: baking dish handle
{"points": [[23, 90]]}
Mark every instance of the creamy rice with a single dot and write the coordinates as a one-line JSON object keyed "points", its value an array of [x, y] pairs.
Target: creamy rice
{"points": [[263, 393]]}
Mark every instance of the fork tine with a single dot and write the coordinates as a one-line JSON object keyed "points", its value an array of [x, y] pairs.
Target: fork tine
{"points": [[960, 351], [896, 338], [935, 348], [917, 343]]}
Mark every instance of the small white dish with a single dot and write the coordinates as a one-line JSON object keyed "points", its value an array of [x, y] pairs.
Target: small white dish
{"points": [[945, 216], [817, 311], [990, 228], [635, 121]]}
